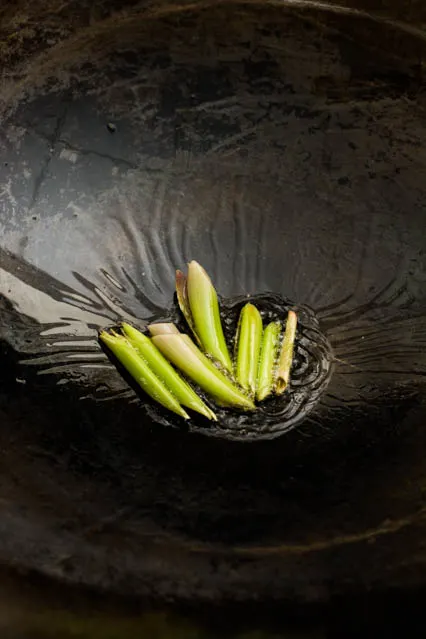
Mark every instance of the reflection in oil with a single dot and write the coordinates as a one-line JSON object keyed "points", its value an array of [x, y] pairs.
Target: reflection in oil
{"points": [[63, 341]]}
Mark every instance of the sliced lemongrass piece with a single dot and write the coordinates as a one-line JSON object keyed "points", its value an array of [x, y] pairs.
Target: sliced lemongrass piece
{"points": [[205, 313], [286, 355], [268, 360], [183, 301], [249, 336], [181, 351], [163, 328], [129, 357], [167, 328], [165, 372]]}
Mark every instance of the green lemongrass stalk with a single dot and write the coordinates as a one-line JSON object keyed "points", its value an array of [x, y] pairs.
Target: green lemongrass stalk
{"points": [[249, 336], [286, 356], [205, 313], [185, 355], [183, 301], [129, 357], [162, 329], [268, 360], [165, 372]]}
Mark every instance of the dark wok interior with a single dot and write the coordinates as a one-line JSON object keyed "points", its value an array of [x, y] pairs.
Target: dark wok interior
{"points": [[282, 146]]}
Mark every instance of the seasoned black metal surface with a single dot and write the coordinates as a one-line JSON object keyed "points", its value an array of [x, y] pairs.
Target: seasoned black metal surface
{"points": [[283, 149]]}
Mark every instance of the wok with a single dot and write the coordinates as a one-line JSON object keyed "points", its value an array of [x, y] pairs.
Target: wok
{"points": [[280, 144]]}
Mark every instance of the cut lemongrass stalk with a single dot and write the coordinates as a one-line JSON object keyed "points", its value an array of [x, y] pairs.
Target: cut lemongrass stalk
{"points": [[181, 351], [183, 301], [162, 329], [249, 336], [165, 372], [268, 360], [286, 355], [129, 357], [205, 313]]}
